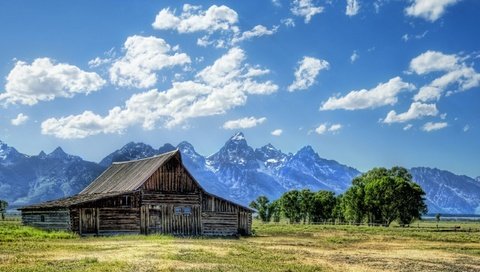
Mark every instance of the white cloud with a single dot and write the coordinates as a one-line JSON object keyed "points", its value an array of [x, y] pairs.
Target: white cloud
{"points": [[407, 37], [276, 3], [288, 22], [306, 72], [456, 72], [144, 56], [335, 127], [19, 120], [383, 94], [430, 10], [215, 90], [257, 31], [407, 127], [324, 128], [247, 122], [433, 61], [416, 110], [98, 62], [277, 132], [352, 7], [44, 80], [354, 56], [305, 8], [466, 128], [430, 126], [193, 19], [321, 129]]}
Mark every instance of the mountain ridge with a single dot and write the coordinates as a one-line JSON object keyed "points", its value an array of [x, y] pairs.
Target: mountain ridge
{"points": [[236, 171]]}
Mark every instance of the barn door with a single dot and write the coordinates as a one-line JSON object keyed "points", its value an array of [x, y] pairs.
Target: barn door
{"points": [[88, 220], [155, 220]]}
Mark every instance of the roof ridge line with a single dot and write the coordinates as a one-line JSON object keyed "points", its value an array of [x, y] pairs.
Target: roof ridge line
{"points": [[148, 158]]}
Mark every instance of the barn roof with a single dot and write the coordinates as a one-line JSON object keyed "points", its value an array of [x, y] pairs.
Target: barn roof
{"points": [[127, 176], [69, 201]]}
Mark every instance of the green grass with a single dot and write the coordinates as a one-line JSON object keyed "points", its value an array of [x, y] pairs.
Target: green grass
{"points": [[275, 247]]}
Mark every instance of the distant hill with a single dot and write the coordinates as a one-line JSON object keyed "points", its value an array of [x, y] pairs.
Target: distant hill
{"points": [[237, 171]]}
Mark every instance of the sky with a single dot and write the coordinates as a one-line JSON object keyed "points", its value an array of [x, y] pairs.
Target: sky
{"points": [[366, 83]]}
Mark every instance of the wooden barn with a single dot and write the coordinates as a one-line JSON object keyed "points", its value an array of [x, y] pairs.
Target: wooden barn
{"points": [[152, 195]]}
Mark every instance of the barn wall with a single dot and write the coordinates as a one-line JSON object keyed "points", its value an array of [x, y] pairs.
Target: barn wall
{"points": [[54, 219], [171, 213], [220, 217], [113, 215]]}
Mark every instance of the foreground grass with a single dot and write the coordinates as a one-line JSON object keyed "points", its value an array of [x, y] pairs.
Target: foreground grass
{"points": [[274, 248]]}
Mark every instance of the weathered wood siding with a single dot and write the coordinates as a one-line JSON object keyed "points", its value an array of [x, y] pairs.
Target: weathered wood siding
{"points": [[118, 214], [165, 219], [55, 219], [220, 217], [119, 220], [171, 177]]}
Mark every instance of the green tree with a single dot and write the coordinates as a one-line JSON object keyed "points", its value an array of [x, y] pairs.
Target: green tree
{"points": [[275, 210], [291, 207], [3, 208], [338, 209], [383, 195], [323, 205], [306, 200], [261, 204]]}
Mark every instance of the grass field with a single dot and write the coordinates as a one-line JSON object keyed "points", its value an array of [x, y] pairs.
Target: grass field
{"points": [[274, 248]]}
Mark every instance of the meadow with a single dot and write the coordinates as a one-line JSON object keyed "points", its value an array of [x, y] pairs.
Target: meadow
{"points": [[274, 247]]}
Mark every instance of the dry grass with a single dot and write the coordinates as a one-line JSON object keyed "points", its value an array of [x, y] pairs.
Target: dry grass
{"points": [[274, 248]]}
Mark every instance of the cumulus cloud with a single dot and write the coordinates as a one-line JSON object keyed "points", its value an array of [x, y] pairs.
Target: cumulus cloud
{"points": [[305, 8], [433, 61], [407, 127], [257, 31], [19, 120], [352, 7], [216, 89], [324, 128], [247, 122], [277, 132], [144, 56], [416, 110], [383, 94], [194, 19], [430, 126], [306, 72], [457, 72], [45, 80], [428, 9]]}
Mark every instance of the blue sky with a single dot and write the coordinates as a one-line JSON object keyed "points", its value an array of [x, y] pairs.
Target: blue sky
{"points": [[367, 83]]}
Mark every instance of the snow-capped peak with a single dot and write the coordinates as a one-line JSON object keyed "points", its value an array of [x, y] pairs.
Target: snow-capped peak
{"points": [[237, 137]]}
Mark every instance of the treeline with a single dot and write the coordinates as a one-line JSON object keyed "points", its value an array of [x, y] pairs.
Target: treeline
{"points": [[379, 196]]}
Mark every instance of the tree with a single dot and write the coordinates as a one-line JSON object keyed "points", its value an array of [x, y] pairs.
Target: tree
{"points": [[338, 209], [261, 204], [383, 195], [3, 208], [291, 207], [323, 205], [275, 210], [306, 205]]}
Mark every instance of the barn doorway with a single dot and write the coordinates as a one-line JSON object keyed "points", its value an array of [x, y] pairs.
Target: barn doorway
{"points": [[88, 220]]}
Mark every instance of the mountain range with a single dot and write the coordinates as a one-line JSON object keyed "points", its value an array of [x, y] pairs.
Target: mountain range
{"points": [[237, 172]]}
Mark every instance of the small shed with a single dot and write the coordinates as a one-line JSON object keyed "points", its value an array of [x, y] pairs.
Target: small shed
{"points": [[151, 195]]}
